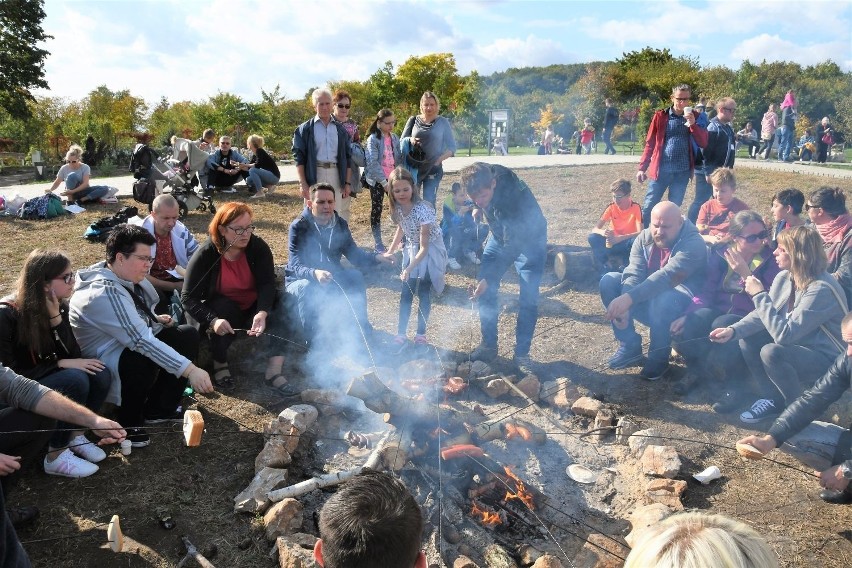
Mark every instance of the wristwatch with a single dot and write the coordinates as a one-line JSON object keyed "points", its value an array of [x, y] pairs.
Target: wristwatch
{"points": [[846, 470]]}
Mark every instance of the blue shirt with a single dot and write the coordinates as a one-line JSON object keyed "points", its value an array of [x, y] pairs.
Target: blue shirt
{"points": [[325, 140], [676, 146]]}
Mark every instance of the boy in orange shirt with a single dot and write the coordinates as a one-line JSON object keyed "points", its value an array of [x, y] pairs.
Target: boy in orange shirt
{"points": [[618, 226], [716, 213]]}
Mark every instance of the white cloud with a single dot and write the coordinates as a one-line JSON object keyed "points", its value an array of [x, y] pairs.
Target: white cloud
{"points": [[775, 48], [512, 52]]}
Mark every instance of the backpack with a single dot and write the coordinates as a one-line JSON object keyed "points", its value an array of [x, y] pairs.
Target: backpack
{"points": [[141, 160], [98, 231], [45, 206], [144, 191]]}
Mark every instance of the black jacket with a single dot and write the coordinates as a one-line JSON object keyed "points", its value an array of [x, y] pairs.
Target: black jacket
{"points": [[808, 407], [719, 152], [23, 360]]}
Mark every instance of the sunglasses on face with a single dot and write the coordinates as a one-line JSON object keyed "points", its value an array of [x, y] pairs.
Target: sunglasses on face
{"points": [[72, 161], [753, 238], [341, 105]]}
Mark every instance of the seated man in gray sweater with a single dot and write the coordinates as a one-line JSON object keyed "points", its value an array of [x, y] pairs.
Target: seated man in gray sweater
{"points": [[667, 263]]}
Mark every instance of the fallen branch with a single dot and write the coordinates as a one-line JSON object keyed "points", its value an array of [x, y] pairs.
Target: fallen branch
{"points": [[329, 479], [537, 408], [192, 552]]}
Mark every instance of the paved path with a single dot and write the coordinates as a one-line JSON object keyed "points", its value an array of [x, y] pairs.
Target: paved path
{"points": [[288, 173]]}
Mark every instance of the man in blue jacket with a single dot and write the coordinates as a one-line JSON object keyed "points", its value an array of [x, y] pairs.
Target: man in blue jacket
{"points": [[666, 268], [519, 237], [315, 279]]}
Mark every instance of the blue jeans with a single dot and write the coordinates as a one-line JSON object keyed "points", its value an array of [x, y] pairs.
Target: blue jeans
{"points": [[466, 236], [91, 193], [323, 310], [786, 143], [703, 192], [529, 265], [81, 387], [422, 287], [607, 138], [430, 184], [601, 253], [259, 178], [675, 182], [657, 313]]}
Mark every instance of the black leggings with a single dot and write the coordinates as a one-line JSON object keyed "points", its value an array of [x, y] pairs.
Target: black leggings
{"points": [[377, 200]]}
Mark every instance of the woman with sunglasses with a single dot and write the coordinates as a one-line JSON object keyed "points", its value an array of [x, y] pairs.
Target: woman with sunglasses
{"points": [[341, 104], [76, 174], [722, 302], [793, 334], [36, 341], [230, 285], [383, 156], [434, 135]]}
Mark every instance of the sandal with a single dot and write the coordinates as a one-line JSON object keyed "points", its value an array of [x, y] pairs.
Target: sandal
{"points": [[222, 377], [285, 388]]}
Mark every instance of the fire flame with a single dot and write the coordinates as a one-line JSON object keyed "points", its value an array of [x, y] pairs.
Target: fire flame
{"points": [[521, 492], [486, 517]]}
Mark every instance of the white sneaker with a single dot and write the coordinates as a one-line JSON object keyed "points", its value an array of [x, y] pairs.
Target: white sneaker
{"points": [[69, 465], [453, 264], [471, 256], [87, 450]]}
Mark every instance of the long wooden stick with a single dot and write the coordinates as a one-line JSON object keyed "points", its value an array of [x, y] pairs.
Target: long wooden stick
{"points": [[192, 552], [537, 408]]}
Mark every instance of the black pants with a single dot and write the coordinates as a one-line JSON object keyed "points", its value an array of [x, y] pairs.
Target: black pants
{"points": [[227, 309], [148, 390], [28, 444], [377, 200], [221, 179], [12, 554]]}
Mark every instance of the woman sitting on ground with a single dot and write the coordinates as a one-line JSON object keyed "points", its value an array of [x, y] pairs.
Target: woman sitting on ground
{"points": [[36, 341], [383, 156], [263, 172], [793, 334], [229, 286], [722, 302], [76, 174]]}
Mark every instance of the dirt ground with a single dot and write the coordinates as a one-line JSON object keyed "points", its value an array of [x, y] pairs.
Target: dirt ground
{"points": [[196, 487]]}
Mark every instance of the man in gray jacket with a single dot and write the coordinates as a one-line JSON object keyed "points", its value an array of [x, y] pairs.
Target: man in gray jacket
{"points": [[666, 268]]}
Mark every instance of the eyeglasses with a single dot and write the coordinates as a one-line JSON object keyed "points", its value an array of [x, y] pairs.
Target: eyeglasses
{"points": [[341, 105], [729, 109], [143, 258], [224, 143], [619, 195], [808, 207], [67, 278], [756, 237], [682, 99], [240, 231], [389, 122]]}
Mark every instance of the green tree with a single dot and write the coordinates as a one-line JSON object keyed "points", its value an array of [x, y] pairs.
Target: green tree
{"points": [[382, 89], [651, 74], [21, 62], [435, 72]]}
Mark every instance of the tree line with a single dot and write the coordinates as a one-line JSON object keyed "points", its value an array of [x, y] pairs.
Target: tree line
{"points": [[560, 95]]}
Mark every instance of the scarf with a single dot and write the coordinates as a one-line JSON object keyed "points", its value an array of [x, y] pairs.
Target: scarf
{"points": [[833, 231]]}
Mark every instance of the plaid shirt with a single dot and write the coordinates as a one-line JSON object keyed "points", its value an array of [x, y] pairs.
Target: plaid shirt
{"points": [[676, 148]]}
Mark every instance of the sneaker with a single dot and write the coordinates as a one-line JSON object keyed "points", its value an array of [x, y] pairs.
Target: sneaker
{"points": [[524, 364], [227, 190], [484, 353], [625, 356], [654, 371], [138, 438], [69, 465], [398, 344], [22, 516], [762, 409], [453, 264], [176, 416], [87, 450], [420, 342], [471, 256]]}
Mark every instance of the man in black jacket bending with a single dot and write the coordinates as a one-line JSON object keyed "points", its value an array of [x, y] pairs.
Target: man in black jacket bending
{"points": [[823, 446]]}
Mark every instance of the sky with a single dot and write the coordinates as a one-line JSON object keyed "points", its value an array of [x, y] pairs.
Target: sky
{"points": [[190, 50]]}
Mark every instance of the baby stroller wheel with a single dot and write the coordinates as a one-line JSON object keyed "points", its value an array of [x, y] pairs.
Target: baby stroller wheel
{"points": [[183, 209]]}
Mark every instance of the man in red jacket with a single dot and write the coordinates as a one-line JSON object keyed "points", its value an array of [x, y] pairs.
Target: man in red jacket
{"points": [[668, 158]]}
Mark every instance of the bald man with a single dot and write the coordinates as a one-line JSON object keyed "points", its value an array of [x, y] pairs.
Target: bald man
{"points": [[666, 268]]}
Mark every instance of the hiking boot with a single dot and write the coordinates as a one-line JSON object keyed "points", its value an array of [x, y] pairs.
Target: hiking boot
{"points": [[67, 464], [453, 264], [627, 355], [484, 353], [138, 438], [87, 450], [524, 364], [22, 516], [654, 371], [762, 409]]}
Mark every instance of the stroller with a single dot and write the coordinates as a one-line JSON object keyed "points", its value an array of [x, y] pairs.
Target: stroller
{"points": [[179, 173]]}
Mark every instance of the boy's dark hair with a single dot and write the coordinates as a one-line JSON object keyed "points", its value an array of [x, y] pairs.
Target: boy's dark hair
{"points": [[124, 238], [791, 197], [326, 186], [832, 200], [621, 185], [475, 177], [371, 522], [455, 188]]}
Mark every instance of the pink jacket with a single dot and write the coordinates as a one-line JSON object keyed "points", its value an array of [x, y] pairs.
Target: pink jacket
{"points": [[650, 161]]}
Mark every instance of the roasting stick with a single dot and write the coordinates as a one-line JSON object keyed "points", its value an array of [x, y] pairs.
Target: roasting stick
{"points": [[192, 552], [537, 408], [329, 479]]}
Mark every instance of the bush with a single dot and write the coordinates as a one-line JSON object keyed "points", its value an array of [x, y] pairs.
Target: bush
{"points": [[106, 168]]}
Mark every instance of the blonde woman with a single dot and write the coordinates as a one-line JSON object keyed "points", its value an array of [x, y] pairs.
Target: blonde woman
{"points": [[75, 174], [434, 135], [263, 172]]}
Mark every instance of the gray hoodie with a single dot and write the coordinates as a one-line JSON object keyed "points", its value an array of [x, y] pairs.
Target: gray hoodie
{"points": [[106, 321]]}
